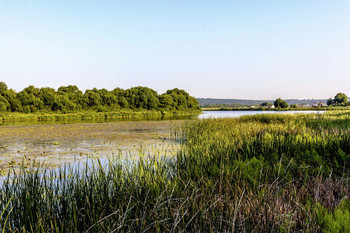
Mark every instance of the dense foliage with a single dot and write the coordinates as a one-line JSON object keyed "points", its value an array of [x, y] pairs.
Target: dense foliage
{"points": [[339, 99], [279, 103], [71, 99], [266, 104], [261, 173]]}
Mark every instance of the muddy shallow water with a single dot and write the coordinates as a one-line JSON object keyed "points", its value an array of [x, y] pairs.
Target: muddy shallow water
{"points": [[56, 144]]}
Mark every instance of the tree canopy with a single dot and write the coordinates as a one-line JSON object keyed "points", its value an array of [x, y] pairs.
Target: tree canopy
{"points": [[70, 99], [266, 104], [329, 101], [339, 99], [279, 103]]}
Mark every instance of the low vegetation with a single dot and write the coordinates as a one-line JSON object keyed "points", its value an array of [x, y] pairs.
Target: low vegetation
{"points": [[260, 173], [92, 116]]}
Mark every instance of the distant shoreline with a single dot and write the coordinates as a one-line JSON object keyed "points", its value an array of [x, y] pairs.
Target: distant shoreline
{"points": [[277, 109]]}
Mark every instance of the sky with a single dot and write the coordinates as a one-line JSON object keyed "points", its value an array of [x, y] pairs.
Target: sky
{"points": [[213, 49]]}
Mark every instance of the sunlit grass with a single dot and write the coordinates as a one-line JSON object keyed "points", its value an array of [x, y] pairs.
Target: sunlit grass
{"points": [[91, 116]]}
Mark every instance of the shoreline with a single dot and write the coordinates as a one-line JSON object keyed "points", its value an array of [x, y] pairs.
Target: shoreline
{"points": [[86, 116], [274, 109]]}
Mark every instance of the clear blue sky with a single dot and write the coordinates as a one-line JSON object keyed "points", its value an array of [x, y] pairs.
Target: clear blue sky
{"points": [[222, 49]]}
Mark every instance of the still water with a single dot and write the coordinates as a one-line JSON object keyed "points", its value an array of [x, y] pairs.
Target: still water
{"points": [[222, 114]]}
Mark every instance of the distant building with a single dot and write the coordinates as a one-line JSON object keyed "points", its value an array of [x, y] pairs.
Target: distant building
{"points": [[319, 104]]}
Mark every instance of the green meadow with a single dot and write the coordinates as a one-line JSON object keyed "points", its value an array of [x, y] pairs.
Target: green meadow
{"points": [[259, 173]]}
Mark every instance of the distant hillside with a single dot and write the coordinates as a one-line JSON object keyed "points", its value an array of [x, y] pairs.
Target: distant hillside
{"points": [[213, 101]]}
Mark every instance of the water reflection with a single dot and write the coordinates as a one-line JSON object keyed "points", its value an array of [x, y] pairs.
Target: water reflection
{"points": [[103, 120], [222, 114]]}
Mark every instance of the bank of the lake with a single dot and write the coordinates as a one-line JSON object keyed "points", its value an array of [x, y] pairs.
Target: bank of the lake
{"points": [[328, 108], [6, 118], [225, 114]]}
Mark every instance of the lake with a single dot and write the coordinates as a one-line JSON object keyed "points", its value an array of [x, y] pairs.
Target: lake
{"points": [[57, 144], [221, 114]]}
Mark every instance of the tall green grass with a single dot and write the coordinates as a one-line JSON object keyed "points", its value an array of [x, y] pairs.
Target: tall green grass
{"points": [[10, 118], [261, 173]]}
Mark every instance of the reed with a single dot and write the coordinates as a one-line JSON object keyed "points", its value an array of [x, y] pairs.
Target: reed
{"points": [[10, 118]]}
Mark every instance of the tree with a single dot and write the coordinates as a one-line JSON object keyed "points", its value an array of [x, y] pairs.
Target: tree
{"points": [[142, 98], [3, 88], [279, 103], [4, 104], [182, 100], [29, 101], [70, 98], [64, 104], [266, 104], [340, 99], [92, 98], [47, 95], [16, 105], [74, 94], [11, 97], [123, 102], [329, 101], [166, 101], [107, 98], [32, 90]]}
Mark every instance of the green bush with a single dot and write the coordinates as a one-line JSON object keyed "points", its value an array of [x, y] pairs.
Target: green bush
{"points": [[335, 221]]}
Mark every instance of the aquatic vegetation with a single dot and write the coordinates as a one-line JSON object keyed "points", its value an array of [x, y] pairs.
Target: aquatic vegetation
{"points": [[56, 144], [15, 118], [262, 173]]}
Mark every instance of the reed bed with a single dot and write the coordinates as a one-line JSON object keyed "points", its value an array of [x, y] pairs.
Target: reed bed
{"points": [[12, 118], [261, 173]]}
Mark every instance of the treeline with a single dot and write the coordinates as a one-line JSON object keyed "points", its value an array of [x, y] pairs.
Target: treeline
{"points": [[340, 99], [224, 106], [207, 102], [70, 99]]}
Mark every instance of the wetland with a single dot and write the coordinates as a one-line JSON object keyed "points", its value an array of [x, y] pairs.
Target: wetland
{"points": [[52, 144], [253, 173], [56, 144]]}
